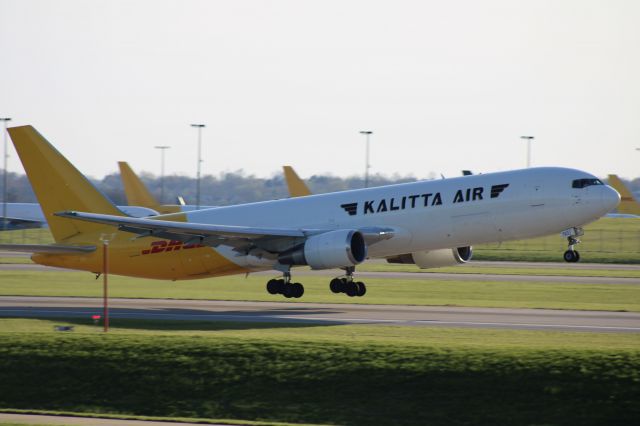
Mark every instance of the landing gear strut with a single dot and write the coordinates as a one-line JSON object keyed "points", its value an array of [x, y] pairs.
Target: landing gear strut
{"points": [[347, 285], [572, 234], [285, 287]]}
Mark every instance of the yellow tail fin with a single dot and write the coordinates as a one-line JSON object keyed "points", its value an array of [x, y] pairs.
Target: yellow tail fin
{"points": [[628, 204], [297, 187], [138, 194], [58, 185]]}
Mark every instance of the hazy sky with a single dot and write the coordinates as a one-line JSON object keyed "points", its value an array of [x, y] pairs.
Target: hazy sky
{"points": [[444, 85]]}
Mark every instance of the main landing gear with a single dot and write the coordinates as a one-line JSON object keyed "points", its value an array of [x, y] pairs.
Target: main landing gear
{"points": [[344, 284], [572, 234], [285, 287], [347, 285]]}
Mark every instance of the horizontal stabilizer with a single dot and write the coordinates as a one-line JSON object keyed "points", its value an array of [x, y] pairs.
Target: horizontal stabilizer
{"points": [[47, 248]]}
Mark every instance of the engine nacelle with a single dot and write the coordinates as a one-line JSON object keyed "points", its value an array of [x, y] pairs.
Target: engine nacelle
{"points": [[435, 258], [333, 249]]}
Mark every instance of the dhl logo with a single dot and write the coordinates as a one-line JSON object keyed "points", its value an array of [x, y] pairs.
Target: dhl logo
{"points": [[165, 246]]}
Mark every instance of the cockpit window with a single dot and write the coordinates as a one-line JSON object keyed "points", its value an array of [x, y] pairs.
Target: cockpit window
{"points": [[583, 183]]}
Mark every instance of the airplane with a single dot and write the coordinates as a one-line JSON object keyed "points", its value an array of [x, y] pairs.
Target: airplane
{"points": [[428, 223], [629, 206], [21, 216]]}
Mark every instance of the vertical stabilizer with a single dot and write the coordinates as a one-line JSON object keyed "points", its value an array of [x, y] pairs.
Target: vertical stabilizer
{"points": [[297, 187], [58, 185], [136, 192], [628, 204]]}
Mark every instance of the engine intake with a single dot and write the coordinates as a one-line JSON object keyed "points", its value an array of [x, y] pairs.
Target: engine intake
{"points": [[435, 258], [333, 249]]}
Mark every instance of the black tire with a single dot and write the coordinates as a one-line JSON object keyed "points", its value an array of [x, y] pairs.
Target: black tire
{"points": [[352, 289], [297, 290], [288, 291], [577, 256], [570, 256], [361, 289], [273, 286], [336, 285]]}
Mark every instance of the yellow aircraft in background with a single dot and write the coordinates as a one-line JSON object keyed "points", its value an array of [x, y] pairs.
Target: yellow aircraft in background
{"points": [[628, 204], [297, 187], [138, 194]]}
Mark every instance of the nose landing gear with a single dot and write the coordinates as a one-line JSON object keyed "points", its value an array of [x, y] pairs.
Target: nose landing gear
{"points": [[572, 234]]}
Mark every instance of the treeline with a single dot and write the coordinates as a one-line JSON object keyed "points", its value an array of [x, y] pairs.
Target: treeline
{"points": [[225, 189]]}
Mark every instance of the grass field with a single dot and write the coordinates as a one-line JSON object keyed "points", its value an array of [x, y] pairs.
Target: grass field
{"points": [[555, 271], [607, 240], [350, 375], [611, 297]]}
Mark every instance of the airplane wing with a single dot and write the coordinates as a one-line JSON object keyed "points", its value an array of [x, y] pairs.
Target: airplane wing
{"points": [[241, 238], [47, 248]]}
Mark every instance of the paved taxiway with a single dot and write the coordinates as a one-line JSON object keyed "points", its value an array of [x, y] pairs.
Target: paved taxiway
{"points": [[33, 419], [325, 314], [404, 275]]}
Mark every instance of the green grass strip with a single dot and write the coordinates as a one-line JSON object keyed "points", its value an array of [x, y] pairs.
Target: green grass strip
{"points": [[499, 270], [609, 297], [349, 375]]}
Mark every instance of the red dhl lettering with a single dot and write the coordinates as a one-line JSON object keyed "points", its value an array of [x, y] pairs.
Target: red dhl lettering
{"points": [[166, 246]]}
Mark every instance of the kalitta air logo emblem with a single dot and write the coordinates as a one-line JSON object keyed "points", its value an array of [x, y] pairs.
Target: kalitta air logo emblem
{"points": [[496, 190], [351, 208], [421, 200]]}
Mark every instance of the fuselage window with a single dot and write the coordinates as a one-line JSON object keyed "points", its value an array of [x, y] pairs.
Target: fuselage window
{"points": [[583, 183]]}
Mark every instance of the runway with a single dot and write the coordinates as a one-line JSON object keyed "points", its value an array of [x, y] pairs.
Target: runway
{"points": [[325, 314], [424, 276], [39, 419]]}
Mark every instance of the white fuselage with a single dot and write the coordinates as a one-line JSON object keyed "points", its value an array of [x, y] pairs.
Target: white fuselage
{"points": [[436, 214]]}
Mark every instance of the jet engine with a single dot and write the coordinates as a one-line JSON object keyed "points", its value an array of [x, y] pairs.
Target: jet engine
{"points": [[435, 258], [333, 249]]}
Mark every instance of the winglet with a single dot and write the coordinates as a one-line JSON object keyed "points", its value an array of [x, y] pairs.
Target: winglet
{"points": [[58, 185], [628, 204], [297, 187]]}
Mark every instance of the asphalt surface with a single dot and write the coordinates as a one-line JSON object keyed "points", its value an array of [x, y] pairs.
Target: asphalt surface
{"points": [[402, 275], [324, 314], [34, 419]]}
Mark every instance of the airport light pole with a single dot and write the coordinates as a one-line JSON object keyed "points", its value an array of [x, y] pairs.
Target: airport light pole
{"points": [[367, 134], [105, 238], [162, 149], [528, 139], [5, 190], [199, 127]]}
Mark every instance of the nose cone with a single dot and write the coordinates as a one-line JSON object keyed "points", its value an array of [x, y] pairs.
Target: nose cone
{"points": [[610, 198]]}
